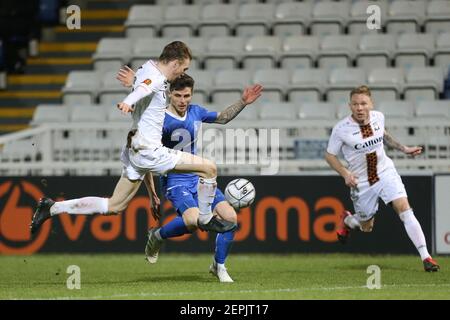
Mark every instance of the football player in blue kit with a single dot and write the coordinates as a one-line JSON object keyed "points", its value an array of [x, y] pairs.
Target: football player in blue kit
{"points": [[180, 131]]}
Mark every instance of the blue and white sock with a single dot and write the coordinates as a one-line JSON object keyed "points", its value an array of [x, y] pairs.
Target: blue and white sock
{"points": [[223, 245], [174, 228]]}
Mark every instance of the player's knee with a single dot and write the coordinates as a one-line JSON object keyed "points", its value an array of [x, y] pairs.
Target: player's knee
{"points": [[190, 220], [232, 218], [115, 208], [210, 169]]}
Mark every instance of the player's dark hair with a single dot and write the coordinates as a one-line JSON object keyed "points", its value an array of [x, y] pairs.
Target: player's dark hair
{"points": [[361, 90], [175, 50], [183, 81]]}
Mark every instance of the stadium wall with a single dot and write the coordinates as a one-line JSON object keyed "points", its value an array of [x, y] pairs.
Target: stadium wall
{"points": [[290, 214]]}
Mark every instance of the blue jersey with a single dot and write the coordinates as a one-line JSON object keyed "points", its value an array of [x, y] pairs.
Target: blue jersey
{"points": [[181, 134]]}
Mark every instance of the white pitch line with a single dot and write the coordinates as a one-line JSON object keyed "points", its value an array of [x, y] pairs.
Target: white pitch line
{"points": [[164, 294]]}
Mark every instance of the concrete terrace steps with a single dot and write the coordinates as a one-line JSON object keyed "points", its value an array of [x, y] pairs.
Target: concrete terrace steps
{"points": [[69, 50]]}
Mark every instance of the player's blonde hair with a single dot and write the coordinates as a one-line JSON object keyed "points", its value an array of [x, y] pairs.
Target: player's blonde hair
{"points": [[361, 90], [175, 50]]}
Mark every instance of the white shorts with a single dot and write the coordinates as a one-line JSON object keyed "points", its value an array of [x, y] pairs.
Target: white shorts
{"points": [[365, 197], [158, 160]]}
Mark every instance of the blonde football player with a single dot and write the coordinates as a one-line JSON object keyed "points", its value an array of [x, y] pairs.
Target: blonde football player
{"points": [[371, 173]]}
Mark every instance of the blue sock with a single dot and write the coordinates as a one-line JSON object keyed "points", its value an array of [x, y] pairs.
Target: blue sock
{"points": [[223, 245], [174, 228]]}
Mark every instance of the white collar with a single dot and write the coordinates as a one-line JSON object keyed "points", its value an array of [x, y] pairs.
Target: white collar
{"points": [[177, 116]]}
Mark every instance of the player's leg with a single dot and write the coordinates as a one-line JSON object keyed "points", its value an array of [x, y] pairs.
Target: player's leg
{"points": [[185, 222], [365, 203], [414, 231], [126, 188], [224, 240], [394, 193], [207, 185], [123, 193]]}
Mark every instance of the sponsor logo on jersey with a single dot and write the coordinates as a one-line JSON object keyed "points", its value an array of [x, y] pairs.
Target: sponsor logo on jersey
{"points": [[376, 126], [369, 143], [147, 81]]}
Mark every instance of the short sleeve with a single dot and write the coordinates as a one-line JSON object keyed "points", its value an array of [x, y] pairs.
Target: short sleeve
{"points": [[207, 116], [335, 143]]}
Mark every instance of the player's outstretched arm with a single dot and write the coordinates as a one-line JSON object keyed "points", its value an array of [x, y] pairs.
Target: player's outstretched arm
{"points": [[393, 143], [249, 96], [350, 179], [126, 76]]}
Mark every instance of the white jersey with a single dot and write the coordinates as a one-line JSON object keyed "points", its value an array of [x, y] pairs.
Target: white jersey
{"points": [[149, 112], [362, 147]]}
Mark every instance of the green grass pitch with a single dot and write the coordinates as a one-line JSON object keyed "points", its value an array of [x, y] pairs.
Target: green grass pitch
{"points": [[183, 276]]}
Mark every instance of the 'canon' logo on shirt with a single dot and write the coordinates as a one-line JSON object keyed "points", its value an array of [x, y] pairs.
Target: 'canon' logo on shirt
{"points": [[369, 143]]}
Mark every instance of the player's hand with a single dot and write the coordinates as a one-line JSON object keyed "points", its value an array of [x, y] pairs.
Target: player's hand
{"points": [[156, 202], [125, 108], [252, 93], [126, 76], [412, 151], [351, 180]]}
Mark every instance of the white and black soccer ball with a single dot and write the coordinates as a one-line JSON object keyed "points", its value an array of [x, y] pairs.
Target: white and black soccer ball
{"points": [[240, 193]]}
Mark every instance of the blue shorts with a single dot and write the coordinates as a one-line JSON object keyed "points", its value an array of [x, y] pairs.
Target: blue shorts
{"points": [[183, 198]]}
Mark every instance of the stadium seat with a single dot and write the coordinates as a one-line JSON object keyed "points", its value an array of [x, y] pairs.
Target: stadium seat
{"points": [[217, 20], [203, 84], [143, 21], [317, 110], [50, 114], [299, 52], [205, 2], [386, 83], [88, 113], [180, 21], [115, 115], [254, 19], [405, 16], [341, 81], [437, 19], [275, 83], [433, 109], [337, 51], [442, 52], [145, 49], [375, 51], [278, 111], [112, 53], [261, 52], [198, 46], [329, 17], [291, 18], [228, 86], [81, 87], [413, 50], [111, 91], [357, 21], [307, 85], [343, 110], [223, 53], [396, 109], [424, 83], [170, 2]]}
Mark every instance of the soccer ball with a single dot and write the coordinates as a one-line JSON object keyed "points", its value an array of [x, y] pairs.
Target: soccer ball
{"points": [[240, 193]]}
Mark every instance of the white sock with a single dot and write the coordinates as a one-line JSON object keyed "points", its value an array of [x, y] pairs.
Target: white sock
{"points": [[158, 235], [352, 222], [206, 191], [87, 205], [415, 233], [220, 265]]}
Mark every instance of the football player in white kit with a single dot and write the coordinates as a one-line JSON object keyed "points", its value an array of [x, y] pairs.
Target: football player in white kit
{"points": [[371, 173], [145, 153]]}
